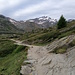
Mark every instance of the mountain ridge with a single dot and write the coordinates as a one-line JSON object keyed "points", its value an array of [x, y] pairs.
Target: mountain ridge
{"points": [[6, 26], [33, 24], [43, 22]]}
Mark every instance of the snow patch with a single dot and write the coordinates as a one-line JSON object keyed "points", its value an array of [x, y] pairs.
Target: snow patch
{"points": [[31, 20], [41, 22], [12, 21]]}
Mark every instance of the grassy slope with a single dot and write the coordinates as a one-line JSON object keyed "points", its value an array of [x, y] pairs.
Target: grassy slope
{"points": [[45, 36], [12, 58]]}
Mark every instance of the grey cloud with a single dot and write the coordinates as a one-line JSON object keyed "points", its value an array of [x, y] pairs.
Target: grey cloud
{"points": [[29, 9]]}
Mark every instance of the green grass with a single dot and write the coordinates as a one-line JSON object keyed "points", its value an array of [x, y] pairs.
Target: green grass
{"points": [[47, 37], [42, 38], [72, 43], [6, 47], [66, 33], [61, 51], [12, 59], [41, 44]]}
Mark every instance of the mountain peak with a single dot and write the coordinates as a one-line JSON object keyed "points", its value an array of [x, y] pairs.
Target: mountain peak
{"points": [[42, 20]]}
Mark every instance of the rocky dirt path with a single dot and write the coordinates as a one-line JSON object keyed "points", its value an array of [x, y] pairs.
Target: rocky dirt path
{"points": [[41, 62], [35, 53]]}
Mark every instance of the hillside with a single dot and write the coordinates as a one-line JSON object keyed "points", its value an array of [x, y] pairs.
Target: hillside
{"points": [[43, 36], [6, 26]]}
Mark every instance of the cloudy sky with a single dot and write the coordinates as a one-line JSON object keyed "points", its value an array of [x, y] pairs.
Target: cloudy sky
{"points": [[26, 9]]}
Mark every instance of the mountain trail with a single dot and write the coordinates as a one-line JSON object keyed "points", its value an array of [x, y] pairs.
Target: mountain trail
{"points": [[35, 53], [41, 62]]}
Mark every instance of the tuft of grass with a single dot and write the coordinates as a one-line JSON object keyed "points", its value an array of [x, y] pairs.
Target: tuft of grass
{"points": [[60, 50], [19, 49], [72, 43]]}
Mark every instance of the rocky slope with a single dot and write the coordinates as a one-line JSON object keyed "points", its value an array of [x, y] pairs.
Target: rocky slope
{"points": [[41, 60]]}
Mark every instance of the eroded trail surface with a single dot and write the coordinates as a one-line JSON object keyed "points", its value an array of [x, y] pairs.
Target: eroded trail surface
{"points": [[41, 62], [32, 64]]}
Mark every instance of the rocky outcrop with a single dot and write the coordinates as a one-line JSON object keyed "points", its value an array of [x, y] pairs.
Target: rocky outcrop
{"points": [[65, 41]]}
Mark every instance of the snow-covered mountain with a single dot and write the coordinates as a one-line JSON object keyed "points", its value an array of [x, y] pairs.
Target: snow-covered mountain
{"points": [[43, 19], [32, 24]]}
